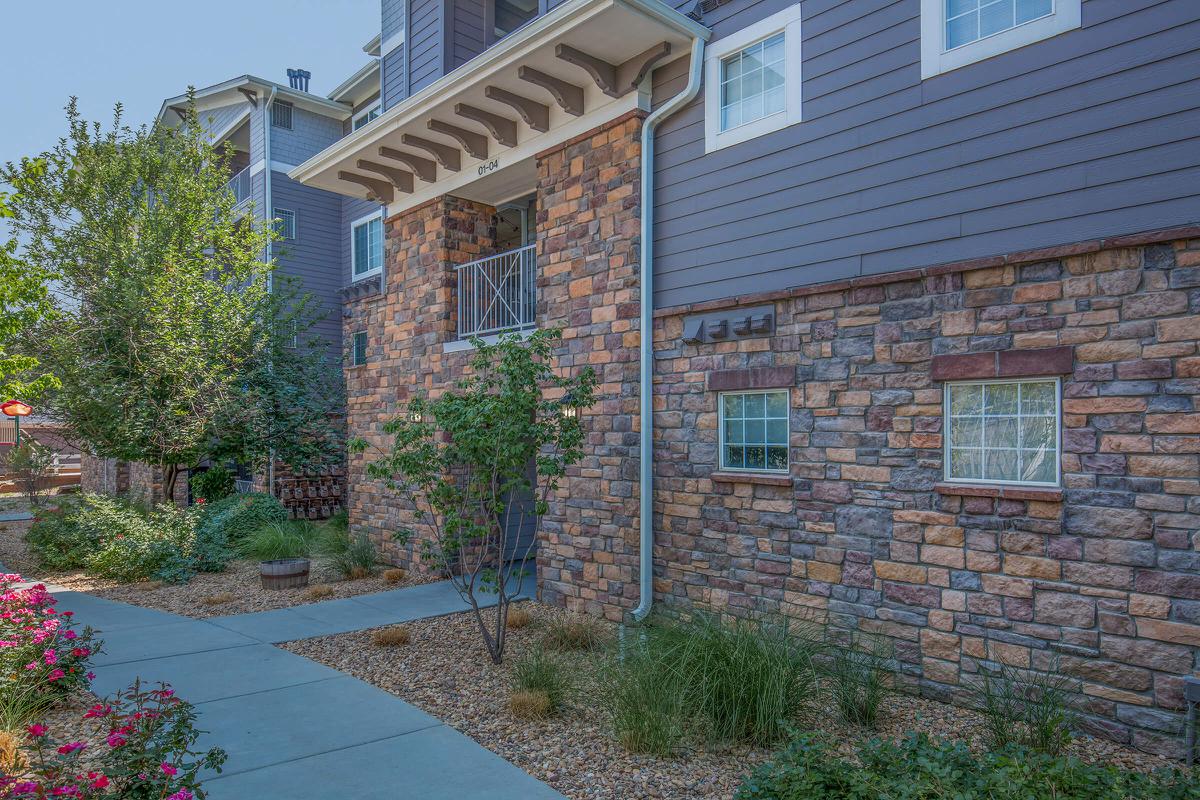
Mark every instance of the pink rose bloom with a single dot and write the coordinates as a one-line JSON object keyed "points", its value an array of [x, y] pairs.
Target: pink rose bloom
{"points": [[115, 740], [71, 747], [168, 770], [70, 634], [56, 675], [182, 794], [50, 656], [37, 731]]}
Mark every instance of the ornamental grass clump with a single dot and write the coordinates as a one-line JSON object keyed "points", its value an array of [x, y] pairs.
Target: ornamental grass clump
{"points": [[354, 558], [1027, 708], [277, 540], [319, 592], [858, 677], [566, 634], [540, 672], [394, 576], [394, 636], [518, 617], [44, 654], [643, 698], [147, 753]]}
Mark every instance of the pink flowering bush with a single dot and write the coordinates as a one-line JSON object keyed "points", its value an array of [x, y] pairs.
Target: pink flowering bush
{"points": [[43, 652], [145, 752]]}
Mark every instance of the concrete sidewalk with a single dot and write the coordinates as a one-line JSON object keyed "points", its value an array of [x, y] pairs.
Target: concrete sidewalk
{"points": [[294, 728]]}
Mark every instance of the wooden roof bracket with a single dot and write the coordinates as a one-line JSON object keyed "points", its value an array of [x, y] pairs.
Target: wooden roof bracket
{"points": [[568, 96], [503, 130], [377, 190], [449, 157], [250, 95], [400, 179], [614, 80], [474, 143], [535, 114], [424, 168]]}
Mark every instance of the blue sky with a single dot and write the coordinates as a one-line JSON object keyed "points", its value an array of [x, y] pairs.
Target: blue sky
{"points": [[140, 52]]}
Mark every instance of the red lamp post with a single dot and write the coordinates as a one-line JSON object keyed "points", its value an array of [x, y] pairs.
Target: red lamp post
{"points": [[16, 409]]}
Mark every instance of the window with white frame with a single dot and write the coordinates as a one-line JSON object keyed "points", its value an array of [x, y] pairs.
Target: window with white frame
{"points": [[285, 223], [281, 114], [358, 349], [955, 33], [1003, 432], [752, 81], [754, 431], [365, 117], [366, 245]]}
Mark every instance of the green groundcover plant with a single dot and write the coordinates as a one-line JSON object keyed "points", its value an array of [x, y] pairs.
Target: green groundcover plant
{"points": [[921, 768], [147, 753]]}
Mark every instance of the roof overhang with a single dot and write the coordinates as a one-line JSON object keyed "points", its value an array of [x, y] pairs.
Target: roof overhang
{"points": [[242, 89], [359, 86], [475, 132]]}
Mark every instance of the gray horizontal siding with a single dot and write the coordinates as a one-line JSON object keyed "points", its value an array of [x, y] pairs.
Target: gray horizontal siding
{"points": [[466, 34], [425, 41], [352, 209], [394, 89], [1095, 132], [391, 18], [313, 256], [218, 119], [310, 134]]}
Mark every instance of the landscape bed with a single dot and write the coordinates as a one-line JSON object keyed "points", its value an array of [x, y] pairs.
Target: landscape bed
{"points": [[444, 670]]}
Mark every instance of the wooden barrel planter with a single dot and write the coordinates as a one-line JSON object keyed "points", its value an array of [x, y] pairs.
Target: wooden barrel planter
{"points": [[284, 573]]}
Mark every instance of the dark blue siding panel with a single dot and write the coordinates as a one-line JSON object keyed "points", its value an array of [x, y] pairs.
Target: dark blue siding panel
{"points": [[1095, 132], [314, 256], [393, 78], [310, 134], [466, 32], [425, 39], [392, 18]]}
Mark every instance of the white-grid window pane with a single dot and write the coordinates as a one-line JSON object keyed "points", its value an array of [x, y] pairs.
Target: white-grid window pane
{"points": [[754, 431], [285, 223], [1003, 432], [753, 83], [971, 20], [368, 246]]}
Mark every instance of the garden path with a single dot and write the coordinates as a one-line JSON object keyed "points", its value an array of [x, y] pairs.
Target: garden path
{"points": [[294, 728]]}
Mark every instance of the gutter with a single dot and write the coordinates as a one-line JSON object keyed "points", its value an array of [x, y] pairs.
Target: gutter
{"points": [[646, 291]]}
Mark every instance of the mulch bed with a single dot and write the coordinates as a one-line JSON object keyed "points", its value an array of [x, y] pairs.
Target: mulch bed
{"points": [[445, 671], [240, 581]]}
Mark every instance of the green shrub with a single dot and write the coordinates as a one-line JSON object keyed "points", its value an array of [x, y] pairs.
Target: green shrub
{"points": [[340, 521], [58, 541], [858, 677], [730, 681], [1030, 709], [539, 671], [918, 768], [211, 485], [141, 546], [237, 516], [277, 540]]}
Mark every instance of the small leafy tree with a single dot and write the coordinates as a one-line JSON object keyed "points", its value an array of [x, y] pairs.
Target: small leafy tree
{"points": [[30, 464], [166, 311], [463, 459]]}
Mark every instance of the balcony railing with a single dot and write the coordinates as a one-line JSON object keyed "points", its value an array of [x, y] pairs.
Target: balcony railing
{"points": [[240, 184], [497, 293]]}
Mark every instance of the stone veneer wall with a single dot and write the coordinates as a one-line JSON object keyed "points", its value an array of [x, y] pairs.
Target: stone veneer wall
{"points": [[1100, 578], [407, 325]]}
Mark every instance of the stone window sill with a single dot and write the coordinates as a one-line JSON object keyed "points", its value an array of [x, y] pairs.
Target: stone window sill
{"points": [[1045, 494], [761, 478]]}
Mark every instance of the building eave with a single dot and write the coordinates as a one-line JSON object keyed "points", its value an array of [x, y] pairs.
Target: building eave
{"points": [[211, 96], [590, 45], [349, 87]]}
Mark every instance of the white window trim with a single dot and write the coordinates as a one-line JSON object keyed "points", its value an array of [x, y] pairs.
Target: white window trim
{"points": [[358, 276], [1058, 421], [354, 362], [936, 59], [721, 432], [787, 22]]}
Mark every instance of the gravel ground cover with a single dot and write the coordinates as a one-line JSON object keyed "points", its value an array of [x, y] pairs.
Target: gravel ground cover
{"points": [[444, 670], [238, 586]]}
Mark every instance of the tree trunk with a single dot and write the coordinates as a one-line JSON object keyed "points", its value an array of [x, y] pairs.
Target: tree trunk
{"points": [[170, 474]]}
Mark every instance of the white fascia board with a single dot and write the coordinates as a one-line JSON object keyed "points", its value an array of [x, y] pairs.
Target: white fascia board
{"points": [[352, 83], [211, 96]]}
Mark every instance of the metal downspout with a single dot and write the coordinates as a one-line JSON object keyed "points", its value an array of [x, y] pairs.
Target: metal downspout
{"points": [[268, 214], [646, 291]]}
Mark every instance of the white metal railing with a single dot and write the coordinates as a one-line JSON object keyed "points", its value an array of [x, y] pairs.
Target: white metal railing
{"points": [[240, 184], [243, 486], [497, 293]]}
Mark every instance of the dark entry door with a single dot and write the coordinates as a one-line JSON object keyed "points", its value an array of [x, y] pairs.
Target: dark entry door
{"points": [[520, 520]]}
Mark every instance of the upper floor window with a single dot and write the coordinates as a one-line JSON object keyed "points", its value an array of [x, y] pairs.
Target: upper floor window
{"points": [[508, 15], [754, 431], [365, 117], [1003, 432], [281, 114], [285, 223], [366, 246], [752, 81], [959, 32]]}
